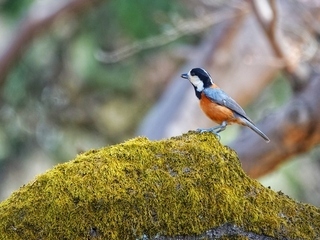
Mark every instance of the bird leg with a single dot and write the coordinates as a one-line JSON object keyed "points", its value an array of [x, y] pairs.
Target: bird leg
{"points": [[215, 130], [222, 127]]}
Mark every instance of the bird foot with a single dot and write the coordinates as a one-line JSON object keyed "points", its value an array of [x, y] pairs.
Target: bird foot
{"points": [[212, 130]]}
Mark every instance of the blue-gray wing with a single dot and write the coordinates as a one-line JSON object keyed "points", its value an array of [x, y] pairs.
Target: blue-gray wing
{"points": [[220, 97]]}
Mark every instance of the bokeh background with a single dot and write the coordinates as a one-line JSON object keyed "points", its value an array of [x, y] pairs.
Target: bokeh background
{"points": [[80, 74]]}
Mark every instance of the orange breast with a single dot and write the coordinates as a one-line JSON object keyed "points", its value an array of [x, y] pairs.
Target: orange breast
{"points": [[216, 112]]}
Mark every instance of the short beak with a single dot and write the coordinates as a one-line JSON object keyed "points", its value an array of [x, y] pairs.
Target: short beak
{"points": [[185, 75]]}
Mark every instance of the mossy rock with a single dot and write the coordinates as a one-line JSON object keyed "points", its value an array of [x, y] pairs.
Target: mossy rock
{"points": [[142, 189]]}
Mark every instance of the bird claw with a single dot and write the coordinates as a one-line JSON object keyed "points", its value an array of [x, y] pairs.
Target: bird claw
{"points": [[212, 130], [201, 130]]}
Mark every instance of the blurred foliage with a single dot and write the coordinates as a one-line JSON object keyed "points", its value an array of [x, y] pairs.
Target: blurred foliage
{"points": [[58, 100], [59, 71], [14, 8], [150, 14]]}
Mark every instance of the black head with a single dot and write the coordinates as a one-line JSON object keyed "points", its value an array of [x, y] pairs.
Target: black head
{"points": [[199, 78]]}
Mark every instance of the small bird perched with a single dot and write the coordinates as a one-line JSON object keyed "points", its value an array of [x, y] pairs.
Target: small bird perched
{"points": [[217, 105]]}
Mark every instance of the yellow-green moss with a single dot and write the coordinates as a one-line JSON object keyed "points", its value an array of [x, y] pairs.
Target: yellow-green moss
{"points": [[181, 186]]}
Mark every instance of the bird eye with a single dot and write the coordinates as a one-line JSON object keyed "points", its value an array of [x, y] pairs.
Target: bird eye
{"points": [[192, 73]]}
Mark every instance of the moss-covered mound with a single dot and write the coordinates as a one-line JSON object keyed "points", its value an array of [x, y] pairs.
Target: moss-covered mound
{"points": [[141, 188]]}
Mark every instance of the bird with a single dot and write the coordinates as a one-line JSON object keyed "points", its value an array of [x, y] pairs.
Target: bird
{"points": [[217, 105]]}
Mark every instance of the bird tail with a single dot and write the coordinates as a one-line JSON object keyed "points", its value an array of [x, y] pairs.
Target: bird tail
{"points": [[254, 128]]}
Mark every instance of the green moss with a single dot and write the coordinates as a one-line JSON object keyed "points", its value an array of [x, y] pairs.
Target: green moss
{"points": [[181, 186]]}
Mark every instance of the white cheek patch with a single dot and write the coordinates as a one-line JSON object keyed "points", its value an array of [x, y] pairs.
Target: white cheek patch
{"points": [[196, 82]]}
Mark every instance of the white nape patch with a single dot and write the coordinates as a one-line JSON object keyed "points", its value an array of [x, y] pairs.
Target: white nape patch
{"points": [[196, 82]]}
